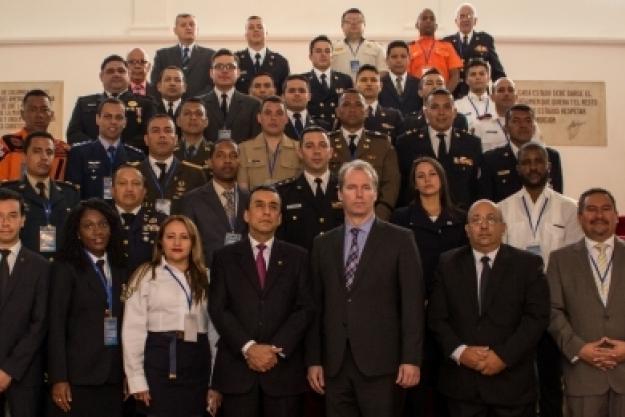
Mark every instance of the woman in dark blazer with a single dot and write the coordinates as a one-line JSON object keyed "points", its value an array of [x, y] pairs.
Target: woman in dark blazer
{"points": [[84, 353], [438, 227]]}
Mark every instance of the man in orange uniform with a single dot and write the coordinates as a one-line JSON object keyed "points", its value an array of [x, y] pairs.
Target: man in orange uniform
{"points": [[428, 52], [37, 114]]}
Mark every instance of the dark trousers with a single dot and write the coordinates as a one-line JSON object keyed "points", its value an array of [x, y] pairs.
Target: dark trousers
{"points": [[549, 365], [91, 401], [350, 393], [257, 403], [469, 409], [21, 401]]}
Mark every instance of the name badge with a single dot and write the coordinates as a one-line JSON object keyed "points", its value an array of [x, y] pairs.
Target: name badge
{"points": [[535, 249], [354, 65], [163, 205], [107, 191], [47, 238], [224, 134], [190, 328], [110, 331], [232, 238], [294, 206]]}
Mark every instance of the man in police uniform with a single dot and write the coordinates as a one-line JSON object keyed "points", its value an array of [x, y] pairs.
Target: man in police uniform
{"points": [[355, 51], [47, 202], [114, 76], [296, 95], [258, 58], [473, 44], [326, 84], [91, 163], [352, 141], [310, 204], [192, 146], [140, 222], [167, 178]]}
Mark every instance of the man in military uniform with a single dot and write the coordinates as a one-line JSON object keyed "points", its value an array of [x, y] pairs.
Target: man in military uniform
{"points": [[171, 87], [326, 84], [47, 202], [352, 141], [310, 204], [458, 152], [399, 89], [138, 69], [296, 95], [386, 120], [262, 86], [258, 58], [192, 146], [91, 164], [355, 51], [477, 104], [473, 44], [114, 76], [499, 178], [167, 178], [140, 222]]}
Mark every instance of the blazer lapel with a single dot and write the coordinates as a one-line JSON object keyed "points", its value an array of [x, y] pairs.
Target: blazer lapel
{"points": [[338, 247], [371, 246], [467, 270], [497, 276], [235, 107], [276, 265], [93, 280], [247, 263], [14, 277], [585, 271], [213, 101]]}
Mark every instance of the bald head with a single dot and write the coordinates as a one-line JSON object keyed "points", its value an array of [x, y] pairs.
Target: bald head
{"points": [[426, 23], [485, 227], [138, 65]]}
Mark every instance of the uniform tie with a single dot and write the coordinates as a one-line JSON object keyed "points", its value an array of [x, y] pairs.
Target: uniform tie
{"points": [[324, 84], [170, 109], [224, 105], [128, 218], [352, 144], [298, 125], [185, 56], [484, 278], [191, 151], [465, 44], [261, 266], [42, 190], [111, 154], [257, 63], [319, 189], [161, 176], [352, 260], [442, 147]]}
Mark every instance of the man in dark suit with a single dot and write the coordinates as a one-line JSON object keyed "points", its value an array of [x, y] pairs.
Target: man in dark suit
{"points": [[399, 89], [232, 114], [47, 202], [217, 207], [296, 95], [114, 76], [499, 178], [488, 310], [258, 58], [261, 305], [459, 152], [368, 333], [91, 164], [310, 204], [473, 44], [326, 85], [23, 304], [195, 60]]}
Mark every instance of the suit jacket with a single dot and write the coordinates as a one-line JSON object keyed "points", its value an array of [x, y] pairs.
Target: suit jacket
{"points": [[241, 118], [196, 73], [322, 104], [254, 168], [382, 316], [515, 313], [290, 131], [23, 319], [462, 167], [204, 207], [82, 126], [500, 179], [274, 64], [578, 316], [76, 350], [279, 315], [408, 102]]}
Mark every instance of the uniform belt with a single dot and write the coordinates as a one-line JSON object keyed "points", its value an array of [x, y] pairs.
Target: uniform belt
{"points": [[174, 336]]}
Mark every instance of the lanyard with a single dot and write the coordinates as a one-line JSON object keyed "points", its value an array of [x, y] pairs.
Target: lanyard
{"points": [[533, 228], [108, 285], [603, 277], [47, 211], [187, 295], [477, 113], [502, 129], [115, 157], [272, 159], [349, 45], [429, 53], [160, 189], [235, 198]]}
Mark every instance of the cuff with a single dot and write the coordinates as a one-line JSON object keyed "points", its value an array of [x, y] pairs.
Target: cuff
{"points": [[137, 384], [455, 355], [247, 346]]}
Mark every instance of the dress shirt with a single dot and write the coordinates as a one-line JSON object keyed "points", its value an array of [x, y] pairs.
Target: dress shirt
{"points": [[310, 179], [107, 268], [134, 211], [108, 94], [140, 88], [253, 52], [175, 103], [34, 181], [491, 132], [434, 140], [358, 133], [229, 93], [594, 253], [15, 249], [303, 113], [106, 144], [365, 228], [469, 37], [374, 108], [473, 106], [219, 189], [191, 46], [168, 162], [327, 72]]}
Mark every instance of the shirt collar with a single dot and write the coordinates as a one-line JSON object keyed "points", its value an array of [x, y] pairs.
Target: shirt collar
{"points": [[327, 72], [94, 258], [105, 143], [176, 103], [364, 227], [475, 97], [134, 211], [433, 133], [304, 114], [590, 244], [546, 193], [219, 189], [470, 36], [167, 162], [187, 46], [402, 76], [346, 133], [15, 249], [374, 106], [33, 182], [229, 93], [310, 178], [108, 94], [478, 255], [253, 52], [255, 243]]}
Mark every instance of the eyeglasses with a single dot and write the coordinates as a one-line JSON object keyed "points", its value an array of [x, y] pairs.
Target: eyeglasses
{"points": [[137, 62], [489, 221], [224, 67]]}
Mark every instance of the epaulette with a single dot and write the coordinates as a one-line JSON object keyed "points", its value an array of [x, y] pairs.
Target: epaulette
{"points": [[134, 148], [13, 142], [134, 163], [334, 133], [67, 184], [285, 181], [375, 134], [192, 165], [86, 142], [9, 182]]}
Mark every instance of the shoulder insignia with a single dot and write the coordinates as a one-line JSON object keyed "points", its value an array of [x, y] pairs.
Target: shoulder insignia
{"points": [[67, 184], [285, 182], [134, 163], [86, 142], [9, 182], [133, 148], [192, 165]]}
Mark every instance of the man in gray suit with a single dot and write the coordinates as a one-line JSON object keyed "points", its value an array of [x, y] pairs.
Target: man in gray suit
{"points": [[587, 282], [195, 60], [217, 207]]}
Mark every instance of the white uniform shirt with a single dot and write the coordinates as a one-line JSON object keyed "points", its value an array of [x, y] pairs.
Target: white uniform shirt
{"points": [[368, 52], [473, 106]]}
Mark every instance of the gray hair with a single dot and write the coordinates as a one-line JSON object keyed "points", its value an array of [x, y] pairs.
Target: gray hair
{"points": [[358, 165], [466, 5]]}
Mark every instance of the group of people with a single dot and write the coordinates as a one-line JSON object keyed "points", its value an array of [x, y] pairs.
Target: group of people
{"points": [[384, 235]]}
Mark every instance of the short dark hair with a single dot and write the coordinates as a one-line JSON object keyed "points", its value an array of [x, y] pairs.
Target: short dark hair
{"points": [[595, 190], [348, 91], [367, 67], [532, 146], [271, 99], [110, 100], [440, 91], [262, 74], [476, 62], [192, 100], [219, 142], [292, 77], [431, 71], [128, 166], [224, 52], [182, 16], [7, 194], [312, 129], [320, 38], [263, 187], [172, 67], [38, 134], [519, 107], [159, 116], [353, 10], [35, 93], [113, 58], [397, 44]]}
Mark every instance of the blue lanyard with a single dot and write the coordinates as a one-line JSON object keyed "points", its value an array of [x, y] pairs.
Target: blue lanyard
{"points": [[349, 45], [603, 277], [47, 211], [172, 169], [477, 113], [533, 228], [108, 286], [186, 294]]}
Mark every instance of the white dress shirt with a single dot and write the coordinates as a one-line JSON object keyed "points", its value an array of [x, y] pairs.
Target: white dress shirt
{"points": [[310, 179], [12, 257], [253, 52], [228, 93], [491, 132], [347, 133], [434, 140], [473, 106], [602, 287], [155, 167]]}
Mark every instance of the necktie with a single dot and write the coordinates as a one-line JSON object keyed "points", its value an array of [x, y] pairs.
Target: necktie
{"points": [[399, 87], [319, 189], [370, 112], [602, 259], [465, 44], [161, 176], [185, 56], [42, 190], [299, 127], [442, 147], [484, 278], [229, 207], [129, 218], [170, 109], [224, 105], [4, 273], [352, 144], [111, 154], [352, 260], [191, 151], [324, 84], [257, 63], [261, 266]]}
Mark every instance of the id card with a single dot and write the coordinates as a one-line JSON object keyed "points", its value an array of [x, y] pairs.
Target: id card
{"points": [[47, 238], [163, 205], [107, 191], [354, 64], [110, 331], [190, 328], [224, 134], [535, 249], [232, 238]]}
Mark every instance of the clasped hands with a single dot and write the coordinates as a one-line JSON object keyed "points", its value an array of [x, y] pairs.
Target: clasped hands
{"points": [[604, 353], [261, 358], [482, 359]]}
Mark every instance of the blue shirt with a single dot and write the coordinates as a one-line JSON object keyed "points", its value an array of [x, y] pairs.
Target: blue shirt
{"points": [[365, 228]]}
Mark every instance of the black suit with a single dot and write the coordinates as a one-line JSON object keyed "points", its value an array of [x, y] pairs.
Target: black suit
{"points": [[23, 327], [196, 73], [204, 207], [500, 179], [387, 121], [279, 315], [240, 120], [274, 64], [515, 313], [408, 102], [322, 104]]}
